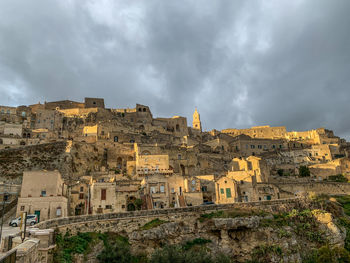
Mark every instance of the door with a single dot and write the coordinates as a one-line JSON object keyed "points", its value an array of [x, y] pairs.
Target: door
{"points": [[37, 213]]}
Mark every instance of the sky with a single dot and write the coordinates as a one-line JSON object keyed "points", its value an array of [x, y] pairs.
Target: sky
{"points": [[241, 63]]}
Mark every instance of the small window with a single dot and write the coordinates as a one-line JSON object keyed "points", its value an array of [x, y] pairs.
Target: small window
{"points": [[81, 196], [43, 193], [193, 182], [222, 191], [58, 211], [204, 189], [115, 138], [81, 189], [123, 206], [172, 190], [22, 207], [259, 146], [179, 156], [132, 141], [252, 146], [162, 189], [108, 206]]}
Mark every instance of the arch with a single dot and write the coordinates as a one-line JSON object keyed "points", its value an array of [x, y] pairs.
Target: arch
{"points": [[24, 135], [119, 163], [115, 138], [28, 135], [144, 110], [145, 153], [140, 109]]}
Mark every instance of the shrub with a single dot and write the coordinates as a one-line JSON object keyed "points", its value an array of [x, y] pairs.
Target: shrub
{"points": [[198, 241], [338, 178], [152, 224], [304, 171]]}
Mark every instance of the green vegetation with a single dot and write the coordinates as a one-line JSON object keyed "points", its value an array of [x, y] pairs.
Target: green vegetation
{"points": [[303, 224], [264, 253], [327, 254], [345, 203], [237, 212], [337, 178], [117, 250], [304, 171], [176, 253], [68, 245], [152, 224], [197, 241]]}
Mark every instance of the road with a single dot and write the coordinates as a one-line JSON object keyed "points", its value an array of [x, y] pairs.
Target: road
{"points": [[9, 230]]}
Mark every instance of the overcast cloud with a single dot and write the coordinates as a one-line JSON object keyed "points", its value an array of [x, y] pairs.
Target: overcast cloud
{"points": [[242, 63]]}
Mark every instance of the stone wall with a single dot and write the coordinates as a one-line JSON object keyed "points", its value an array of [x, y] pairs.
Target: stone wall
{"points": [[331, 188], [131, 221]]}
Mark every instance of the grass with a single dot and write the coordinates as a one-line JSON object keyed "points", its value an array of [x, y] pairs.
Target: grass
{"points": [[152, 224], [345, 203]]}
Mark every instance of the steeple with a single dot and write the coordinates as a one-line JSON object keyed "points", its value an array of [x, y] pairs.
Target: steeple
{"points": [[196, 123]]}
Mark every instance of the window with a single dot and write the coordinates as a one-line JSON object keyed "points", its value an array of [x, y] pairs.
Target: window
{"points": [[81, 196], [193, 189], [108, 206], [193, 182], [259, 146], [162, 189], [222, 191], [22, 207], [115, 138], [132, 141], [280, 146], [103, 194], [179, 156], [152, 190], [252, 146], [81, 189], [228, 193], [273, 146], [123, 206], [267, 197], [204, 188], [172, 190], [58, 211], [23, 113], [43, 193]]}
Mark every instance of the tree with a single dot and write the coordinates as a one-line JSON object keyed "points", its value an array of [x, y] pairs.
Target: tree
{"points": [[304, 171]]}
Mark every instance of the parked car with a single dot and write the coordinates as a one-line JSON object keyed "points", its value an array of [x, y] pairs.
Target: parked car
{"points": [[31, 220]]}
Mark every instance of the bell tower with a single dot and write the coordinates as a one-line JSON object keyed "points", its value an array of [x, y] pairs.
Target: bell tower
{"points": [[196, 123]]}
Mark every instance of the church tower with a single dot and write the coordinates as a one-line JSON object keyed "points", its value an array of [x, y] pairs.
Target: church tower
{"points": [[196, 123]]}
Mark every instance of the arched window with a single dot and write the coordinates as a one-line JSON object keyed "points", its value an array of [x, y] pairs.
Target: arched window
{"points": [[144, 109], [115, 138]]}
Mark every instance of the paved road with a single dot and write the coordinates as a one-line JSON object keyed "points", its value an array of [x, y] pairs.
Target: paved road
{"points": [[9, 230]]}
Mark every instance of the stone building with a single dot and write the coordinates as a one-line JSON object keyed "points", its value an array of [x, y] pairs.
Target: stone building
{"points": [[43, 193]]}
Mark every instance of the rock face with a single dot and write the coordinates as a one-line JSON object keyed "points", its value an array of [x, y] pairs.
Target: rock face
{"points": [[240, 237], [334, 234]]}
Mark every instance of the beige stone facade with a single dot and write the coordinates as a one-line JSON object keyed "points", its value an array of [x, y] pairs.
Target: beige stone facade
{"points": [[43, 193]]}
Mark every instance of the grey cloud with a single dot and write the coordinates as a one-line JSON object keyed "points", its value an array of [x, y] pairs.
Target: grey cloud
{"points": [[242, 63]]}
